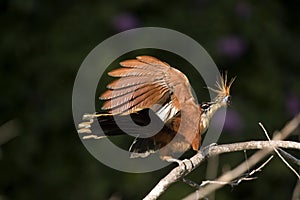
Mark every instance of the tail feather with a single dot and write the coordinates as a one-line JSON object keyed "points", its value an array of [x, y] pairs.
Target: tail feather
{"points": [[143, 147], [110, 125]]}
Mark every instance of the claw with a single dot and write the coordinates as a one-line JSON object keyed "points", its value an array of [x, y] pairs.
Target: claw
{"points": [[208, 147], [186, 163]]}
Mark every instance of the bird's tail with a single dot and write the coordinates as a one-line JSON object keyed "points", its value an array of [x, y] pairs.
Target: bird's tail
{"points": [[135, 124]]}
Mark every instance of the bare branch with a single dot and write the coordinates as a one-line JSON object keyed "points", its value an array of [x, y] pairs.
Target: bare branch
{"points": [[296, 193], [179, 172], [212, 172], [9, 131], [285, 132]]}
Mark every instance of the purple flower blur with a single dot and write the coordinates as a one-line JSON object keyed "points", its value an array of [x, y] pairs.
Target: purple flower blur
{"points": [[233, 122], [231, 46], [125, 21], [293, 105]]}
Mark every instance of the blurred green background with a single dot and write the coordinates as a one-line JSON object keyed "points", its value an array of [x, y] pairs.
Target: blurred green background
{"points": [[43, 44]]}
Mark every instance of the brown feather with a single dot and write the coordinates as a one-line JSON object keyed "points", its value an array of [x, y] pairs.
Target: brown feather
{"points": [[148, 99], [145, 100], [145, 82], [130, 97], [128, 82], [122, 72], [153, 61], [135, 64], [109, 94]]}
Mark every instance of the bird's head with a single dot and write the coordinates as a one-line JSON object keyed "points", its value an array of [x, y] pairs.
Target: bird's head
{"points": [[223, 98]]}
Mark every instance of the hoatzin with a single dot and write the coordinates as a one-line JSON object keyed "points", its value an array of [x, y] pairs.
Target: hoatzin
{"points": [[147, 86]]}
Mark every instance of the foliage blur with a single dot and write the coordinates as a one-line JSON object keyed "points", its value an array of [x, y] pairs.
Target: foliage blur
{"points": [[43, 44]]}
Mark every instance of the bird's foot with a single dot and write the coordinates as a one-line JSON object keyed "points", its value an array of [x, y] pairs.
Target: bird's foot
{"points": [[203, 149], [186, 164]]}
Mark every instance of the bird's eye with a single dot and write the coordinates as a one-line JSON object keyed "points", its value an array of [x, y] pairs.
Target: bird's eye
{"points": [[205, 106]]}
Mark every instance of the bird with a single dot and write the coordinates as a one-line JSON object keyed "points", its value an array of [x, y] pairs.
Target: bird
{"points": [[148, 90]]}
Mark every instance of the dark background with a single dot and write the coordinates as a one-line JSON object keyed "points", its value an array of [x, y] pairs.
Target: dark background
{"points": [[43, 44]]}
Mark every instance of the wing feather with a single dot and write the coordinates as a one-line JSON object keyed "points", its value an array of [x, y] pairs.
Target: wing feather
{"points": [[145, 82], [153, 61], [142, 92], [128, 82], [130, 105], [123, 72], [109, 94]]}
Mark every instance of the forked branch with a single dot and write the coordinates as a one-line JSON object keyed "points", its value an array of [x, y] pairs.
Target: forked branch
{"points": [[266, 147]]}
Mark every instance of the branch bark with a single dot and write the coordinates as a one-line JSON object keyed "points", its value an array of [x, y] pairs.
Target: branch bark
{"points": [[296, 193], [182, 170], [267, 146], [254, 159]]}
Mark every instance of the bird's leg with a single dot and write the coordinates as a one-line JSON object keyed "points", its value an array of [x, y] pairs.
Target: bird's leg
{"points": [[186, 163], [171, 159], [207, 147]]}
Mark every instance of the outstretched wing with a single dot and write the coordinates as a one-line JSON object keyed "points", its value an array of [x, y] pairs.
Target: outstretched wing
{"points": [[146, 82]]}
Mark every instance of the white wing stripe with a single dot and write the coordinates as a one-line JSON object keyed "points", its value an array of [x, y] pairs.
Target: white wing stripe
{"points": [[166, 112]]}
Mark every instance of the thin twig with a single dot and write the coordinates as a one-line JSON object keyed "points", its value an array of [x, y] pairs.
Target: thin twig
{"points": [[204, 183], [280, 156], [263, 165], [290, 157], [236, 182]]}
